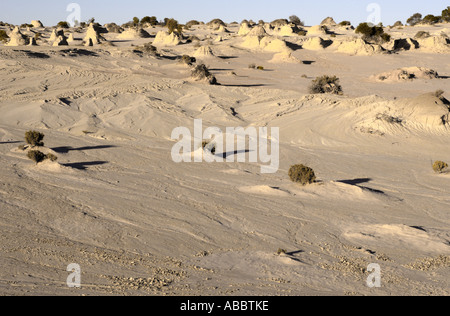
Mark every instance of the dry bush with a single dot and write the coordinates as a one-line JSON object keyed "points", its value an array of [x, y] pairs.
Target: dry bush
{"points": [[34, 138], [3, 36], [326, 84], [302, 174], [188, 60], [206, 145], [36, 156], [440, 166]]}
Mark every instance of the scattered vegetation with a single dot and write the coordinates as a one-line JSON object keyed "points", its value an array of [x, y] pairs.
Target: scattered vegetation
{"points": [[326, 84], [34, 138], [440, 166], [422, 34], [302, 174], [431, 19], [3, 36], [149, 20], [173, 26], [345, 23], [36, 155], [372, 33], [260, 68], [281, 251], [415, 19], [211, 148], [446, 15], [63, 25], [296, 20], [188, 60]]}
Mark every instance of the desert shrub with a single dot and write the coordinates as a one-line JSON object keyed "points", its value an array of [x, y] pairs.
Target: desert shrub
{"points": [[446, 15], [414, 19], [431, 19], [422, 34], [440, 166], [34, 138], [188, 60], [345, 23], [201, 72], [281, 251], [279, 22], [3, 36], [398, 24], [51, 157], [372, 33], [192, 23], [63, 25], [326, 84], [136, 21], [151, 20], [296, 20], [36, 156], [252, 66], [439, 93], [216, 22], [173, 26], [302, 174], [206, 145], [260, 68], [302, 33]]}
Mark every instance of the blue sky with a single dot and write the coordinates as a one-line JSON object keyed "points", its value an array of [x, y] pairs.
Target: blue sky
{"points": [[50, 12]]}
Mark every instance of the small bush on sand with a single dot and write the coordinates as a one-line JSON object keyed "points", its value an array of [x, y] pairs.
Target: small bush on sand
{"points": [[326, 84], [36, 156], [252, 66], [188, 60], [422, 34], [63, 25], [3, 36], [201, 72], [373, 33], [173, 26], [260, 68], [34, 138], [206, 145], [302, 174], [51, 157], [440, 166], [414, 19], [345, 23]]}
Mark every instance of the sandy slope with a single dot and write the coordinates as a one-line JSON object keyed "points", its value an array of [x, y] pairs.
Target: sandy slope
{"points": [[138, 223]]}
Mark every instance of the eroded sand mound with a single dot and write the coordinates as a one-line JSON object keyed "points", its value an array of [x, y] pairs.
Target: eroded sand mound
{"points": [[314, 43], [93, 36], [406, 74], [17, 38], [358, 47], [133, 33], [317, 30], [435, 44], [204, 52], [37, 23], [244, 29], [166, 39]]}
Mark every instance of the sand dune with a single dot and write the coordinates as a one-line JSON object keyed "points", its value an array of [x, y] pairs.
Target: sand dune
{"points": [[138, 223]]}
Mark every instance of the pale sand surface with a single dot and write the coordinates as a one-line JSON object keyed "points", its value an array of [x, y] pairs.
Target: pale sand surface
{"points": [[138, 224]]}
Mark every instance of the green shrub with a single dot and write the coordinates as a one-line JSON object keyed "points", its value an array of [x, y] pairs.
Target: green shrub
{"points": [[63, 25], [260, 68], [326, 84], [446, 15], [440, 166], [36, 156], [3, 36], [431, 19], [422, 34], [296, 20], [188, 60], [51, 157], [372, 33], [173, 26], [34, 138], [302, 174], [414, 19]]}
